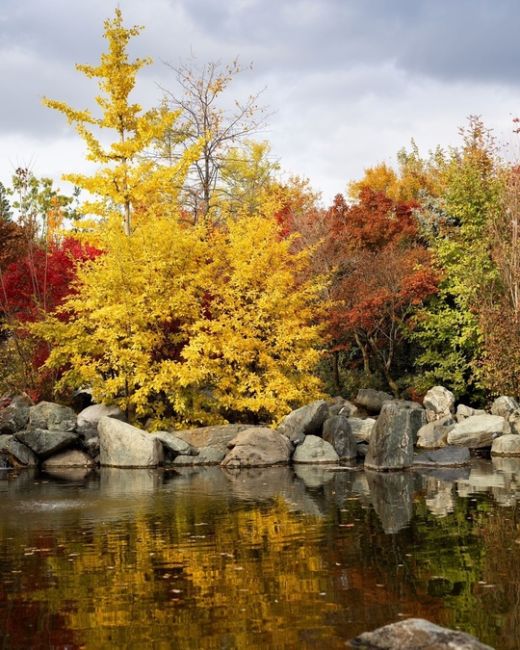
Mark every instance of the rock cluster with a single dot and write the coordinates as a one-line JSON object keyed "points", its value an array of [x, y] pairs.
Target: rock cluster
{"points": [[390, 434]]}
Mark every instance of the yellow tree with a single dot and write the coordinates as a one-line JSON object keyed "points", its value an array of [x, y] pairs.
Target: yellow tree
{"points": [[127, 186]]}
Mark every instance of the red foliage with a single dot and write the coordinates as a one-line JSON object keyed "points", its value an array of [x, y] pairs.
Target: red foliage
{"points": [[41, 280]]}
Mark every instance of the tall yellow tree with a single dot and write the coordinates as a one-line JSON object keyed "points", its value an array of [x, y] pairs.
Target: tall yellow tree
{"points": [[128, 186]]}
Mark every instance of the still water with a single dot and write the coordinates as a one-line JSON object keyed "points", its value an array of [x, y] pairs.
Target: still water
{"points": [[271, 558]]}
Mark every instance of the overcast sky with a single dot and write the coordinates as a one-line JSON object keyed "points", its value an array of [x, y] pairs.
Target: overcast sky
{"points": [[348, 82]]}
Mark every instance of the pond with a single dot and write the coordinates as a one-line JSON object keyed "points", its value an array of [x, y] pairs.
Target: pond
{"points": [[257, 558]]}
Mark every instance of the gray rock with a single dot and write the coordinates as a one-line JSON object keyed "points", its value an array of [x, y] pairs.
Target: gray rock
{"points": [[174, 444], [504, 406], [361, 429], [69, 458], [514, 421], [507, 445], [315, 450], [372, 400], [337, 432], [391, 443], [446, 457], [439, 402], [307, 420], [417, 634], [434, 435], [349, 410], [45, 443], [213, 455], [335, 405], [122, 445], [15, 416], [52, 417], [5, 462], [213, 435], [464, 412], [88, 418], [256, 447], [21, 453], [92, 447], [477, 431]]}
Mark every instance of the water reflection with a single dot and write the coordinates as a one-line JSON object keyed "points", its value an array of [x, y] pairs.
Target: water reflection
{"points": [[202, 557]]}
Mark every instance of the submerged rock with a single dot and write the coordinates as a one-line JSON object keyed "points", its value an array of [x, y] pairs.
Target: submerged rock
{"points": [[258, 446], [445, 457], [316, 450], [417, 634], [122, 445]]}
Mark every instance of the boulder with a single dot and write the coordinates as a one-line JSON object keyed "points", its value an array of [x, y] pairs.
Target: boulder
{"points": [[417, 634], [88, 418], [173, 444], [507, 445], [349, 410], [315, 450], [477, 431], [213, 435], [305, 421], [504, 406], [258, 446], [69, 458], [20, 452], [337, 432], [434, 435], [514, 421], [92, 447], [372, 400], [438, 402], [122, 445], [464, 412], [391, 443], [361, 429], [213, 455], [445, 457], [15, 415], [52, 417], [45, 443]]}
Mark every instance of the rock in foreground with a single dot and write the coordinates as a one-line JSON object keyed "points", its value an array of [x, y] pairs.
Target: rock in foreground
{"points": [[122, 445], [417, 634], [315, 450]]}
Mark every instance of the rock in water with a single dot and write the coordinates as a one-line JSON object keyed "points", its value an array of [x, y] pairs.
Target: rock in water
{"points": [[477, 431], [508, 445], [372, 400], [434, 435], [391, 494], [70, 458], [391, 443], [417, 634], [316, 450], [20, 452], [305, 421], [337, 432], [122, 445], [256, 447], [445, 457]]}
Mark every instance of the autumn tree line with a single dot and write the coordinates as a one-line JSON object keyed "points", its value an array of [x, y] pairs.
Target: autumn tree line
{"points": [[188, 282]]}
